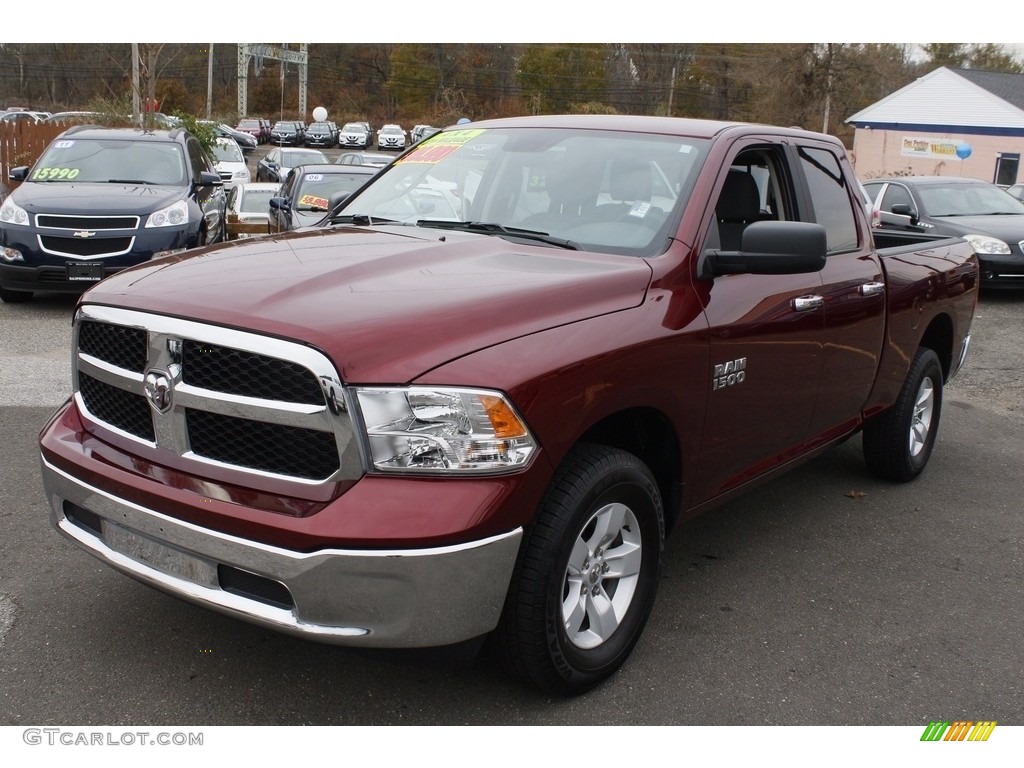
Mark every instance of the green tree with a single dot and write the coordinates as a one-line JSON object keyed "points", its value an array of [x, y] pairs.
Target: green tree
{"points": [[554, 77], [817, 86], [953, 55], [994, 58]]}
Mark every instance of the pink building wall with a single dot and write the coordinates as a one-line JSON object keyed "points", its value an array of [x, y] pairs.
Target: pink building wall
{"points": [[879, 153]]}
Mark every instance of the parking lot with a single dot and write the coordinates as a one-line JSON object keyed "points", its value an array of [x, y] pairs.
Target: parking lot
{"points": [[824, 598]]}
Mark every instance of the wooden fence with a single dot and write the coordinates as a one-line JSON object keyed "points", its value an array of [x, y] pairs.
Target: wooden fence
{"points": [[21, 143]]}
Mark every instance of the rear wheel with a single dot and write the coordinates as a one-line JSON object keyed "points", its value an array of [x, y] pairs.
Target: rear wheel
{"points": [[898, 443], [587, 573]]}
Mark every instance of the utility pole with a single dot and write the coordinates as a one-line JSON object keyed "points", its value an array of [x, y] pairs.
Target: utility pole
{"points": [[671, 91], [828, 86], [209, 84], [283, 65], [136, 100]]}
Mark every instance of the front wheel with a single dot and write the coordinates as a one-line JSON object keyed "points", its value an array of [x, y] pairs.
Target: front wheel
{"points": [[898, 442], [587, 573]]}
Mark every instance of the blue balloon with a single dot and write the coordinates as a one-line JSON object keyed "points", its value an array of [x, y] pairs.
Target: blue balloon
{"points": [[963, 150]]}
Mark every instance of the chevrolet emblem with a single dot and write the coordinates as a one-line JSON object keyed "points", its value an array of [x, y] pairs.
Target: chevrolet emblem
{"points": [[83, 233]]}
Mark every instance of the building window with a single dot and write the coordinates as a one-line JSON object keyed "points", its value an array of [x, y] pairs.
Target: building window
{"points": [[1007, 164]]}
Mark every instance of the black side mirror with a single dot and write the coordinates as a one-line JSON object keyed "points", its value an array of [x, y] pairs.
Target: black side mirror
{"points": [[771, 248], [337, 200], [903, 209]]}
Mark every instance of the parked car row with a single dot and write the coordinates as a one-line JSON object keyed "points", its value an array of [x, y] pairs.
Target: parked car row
{"points": [[258, 127], [274, 167], [991, 219], [99, 200], [133, 195], [307, 193], [28, 115]]}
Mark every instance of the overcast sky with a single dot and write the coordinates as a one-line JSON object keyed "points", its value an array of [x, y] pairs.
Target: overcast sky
{"points": [[520, 21]]}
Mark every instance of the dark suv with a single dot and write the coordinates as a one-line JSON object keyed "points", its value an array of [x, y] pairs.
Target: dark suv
{"points": [[290, 132], [321, 134], [102, 199]]}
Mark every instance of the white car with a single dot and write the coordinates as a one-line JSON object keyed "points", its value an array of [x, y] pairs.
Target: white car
{"points": [[248, 210], [391, 137], [230, 163], [355, 135]]}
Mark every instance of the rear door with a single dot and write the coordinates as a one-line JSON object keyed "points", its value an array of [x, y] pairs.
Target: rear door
{"points": [[853, 291]]}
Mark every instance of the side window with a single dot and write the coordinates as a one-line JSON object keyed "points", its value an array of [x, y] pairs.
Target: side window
{"points": [[873, 190], [830, 198], [288, 186], [756, 188], [197, 159], [896, 194]]}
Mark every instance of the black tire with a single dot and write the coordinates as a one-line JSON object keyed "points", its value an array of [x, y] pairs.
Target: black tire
{"points": [[565, 561], [898, 442], [14, 297]]}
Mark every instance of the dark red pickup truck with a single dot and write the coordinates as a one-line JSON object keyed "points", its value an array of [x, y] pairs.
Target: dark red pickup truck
{"points": [[476, 400]]}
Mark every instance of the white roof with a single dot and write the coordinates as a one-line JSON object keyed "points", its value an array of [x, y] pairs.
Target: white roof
{"points": [[941, 98]]}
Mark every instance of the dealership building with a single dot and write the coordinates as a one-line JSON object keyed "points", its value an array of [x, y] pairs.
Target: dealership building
{"points": [[950, 122]]}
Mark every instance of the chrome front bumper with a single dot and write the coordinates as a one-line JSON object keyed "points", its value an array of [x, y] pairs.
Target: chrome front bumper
{"points": [[408, 598]]}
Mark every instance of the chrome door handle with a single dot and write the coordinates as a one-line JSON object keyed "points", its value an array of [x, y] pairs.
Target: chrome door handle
{"points": [[805, 303], [871, 289]]}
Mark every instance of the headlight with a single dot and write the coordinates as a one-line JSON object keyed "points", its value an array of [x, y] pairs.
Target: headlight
{"points": [[987, 245], [172, 216], [13, 214], [421, 429]]}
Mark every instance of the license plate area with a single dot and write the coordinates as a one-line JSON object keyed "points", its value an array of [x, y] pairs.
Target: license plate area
{"points": [[85, 271], [163, 558]]}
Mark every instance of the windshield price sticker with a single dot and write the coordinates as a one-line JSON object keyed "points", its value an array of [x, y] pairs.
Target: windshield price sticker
{"points": [[440, 145], [314, 177], [43, 174], [313, 201], [63, 144]]}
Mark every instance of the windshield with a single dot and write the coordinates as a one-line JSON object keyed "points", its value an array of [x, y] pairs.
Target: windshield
{"points": [[967, 200], [601, 190], [293, 158], [314, 190], [227, 152], [257, 200], [105, 160], [354, 128]]}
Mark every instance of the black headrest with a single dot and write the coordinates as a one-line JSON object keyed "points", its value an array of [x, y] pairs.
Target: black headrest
{"points": [[740, 200]]}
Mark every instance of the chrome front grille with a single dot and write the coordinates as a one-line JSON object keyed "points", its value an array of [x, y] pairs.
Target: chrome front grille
{"points": [[225, 404]]}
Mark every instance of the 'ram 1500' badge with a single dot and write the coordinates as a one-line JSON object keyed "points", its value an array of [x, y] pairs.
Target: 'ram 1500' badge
{"points": [[728, 374]]}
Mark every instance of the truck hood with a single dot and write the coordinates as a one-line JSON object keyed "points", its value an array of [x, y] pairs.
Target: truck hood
{"points": [[386, 304], [95, 199]]}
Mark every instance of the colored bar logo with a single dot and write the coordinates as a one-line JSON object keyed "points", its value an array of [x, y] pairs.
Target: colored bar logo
{"points": [[958, 730]]}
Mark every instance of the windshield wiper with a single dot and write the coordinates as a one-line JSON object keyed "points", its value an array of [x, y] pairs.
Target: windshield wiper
{"points": [[361, 220], [487, 228], [127, 181]]}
